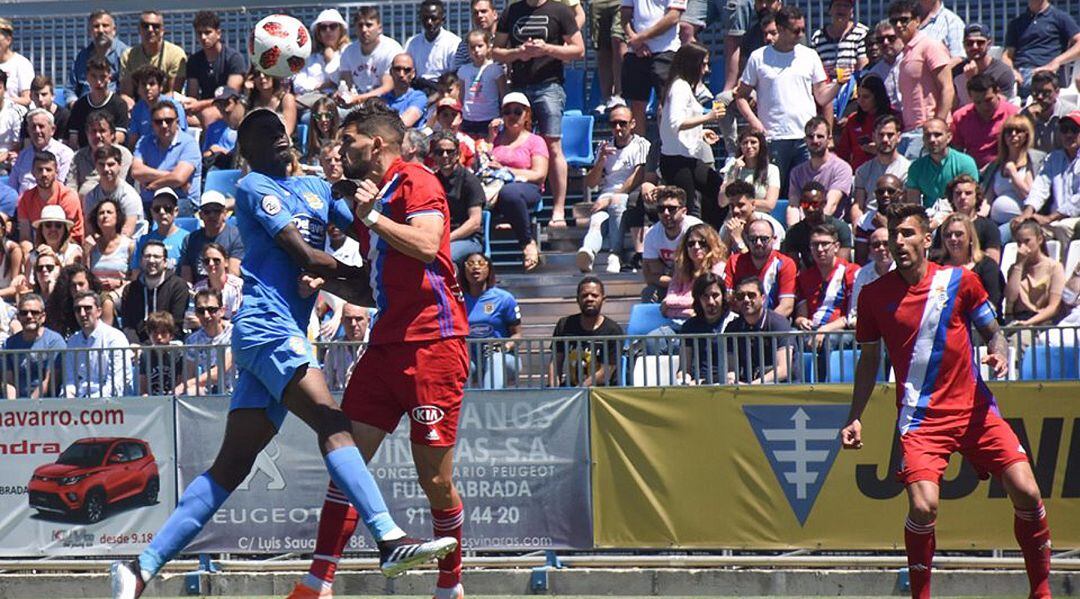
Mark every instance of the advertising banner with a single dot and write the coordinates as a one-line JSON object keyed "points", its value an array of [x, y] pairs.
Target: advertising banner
{"points": [[85, 477], [761, 467], [521, 467]]}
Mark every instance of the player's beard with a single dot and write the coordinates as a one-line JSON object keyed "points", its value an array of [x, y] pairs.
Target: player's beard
{"points": [[357, 166]]}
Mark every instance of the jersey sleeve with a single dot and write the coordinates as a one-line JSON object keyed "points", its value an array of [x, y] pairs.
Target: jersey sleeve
{"points": [[849, 285], [729, 273], [260, 200], [511, 311], [422, 194], [340, 215], [785, 283]]}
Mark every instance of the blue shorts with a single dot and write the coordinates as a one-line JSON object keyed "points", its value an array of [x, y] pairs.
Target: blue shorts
{"points": [[548, 101], [264, 368]]}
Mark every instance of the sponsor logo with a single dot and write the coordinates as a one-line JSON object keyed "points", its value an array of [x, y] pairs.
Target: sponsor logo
{"points": [[801, 443], [25, 447], [432, 435], [271, 205], [428, 415]]}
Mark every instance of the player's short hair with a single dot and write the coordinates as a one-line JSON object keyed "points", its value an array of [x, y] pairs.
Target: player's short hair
{"points": [[374, 118], [84, 294], [739, 189], [787, 15], [367, 12], [816, 122], [44, 156], [160, 322], [827, 229], [751, 280], [156, 243], [590, 280], [888, 119], [664, 192], [982, 83], [106, 152], [204, 19], [897, 212]]}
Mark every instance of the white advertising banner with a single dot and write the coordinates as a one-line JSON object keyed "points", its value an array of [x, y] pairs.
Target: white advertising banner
{"points": [[85, 477]]}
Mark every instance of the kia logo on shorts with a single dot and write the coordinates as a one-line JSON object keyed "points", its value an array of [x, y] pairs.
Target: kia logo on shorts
{"points": [[427, 414]]}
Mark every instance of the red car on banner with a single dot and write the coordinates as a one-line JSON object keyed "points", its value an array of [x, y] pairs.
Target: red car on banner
{"points": [[93, 474]]}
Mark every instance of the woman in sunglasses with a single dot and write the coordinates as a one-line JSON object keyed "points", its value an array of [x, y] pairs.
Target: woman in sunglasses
{"points": [[273, 93], [525, 156], [54, 232], [1007, 180], [11, 264], [330, 35], [700, 251], [215, 259], [325, 121], [493, 314]]}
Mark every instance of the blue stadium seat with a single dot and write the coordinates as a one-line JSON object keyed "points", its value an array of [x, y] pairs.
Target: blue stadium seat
{"points": [[188, 223], [574, 84], [809, 367], [485, 229], [779, 212], [60, 95], [1042, 363], [577, 138], [222, 180], [645, 318], [300, 135], [842, 365]]}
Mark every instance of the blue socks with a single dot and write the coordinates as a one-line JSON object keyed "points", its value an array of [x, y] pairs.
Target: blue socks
{"points": [[351, 475], [200, 500]]}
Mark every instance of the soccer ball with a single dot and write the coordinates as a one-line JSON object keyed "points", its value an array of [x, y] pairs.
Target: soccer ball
{"points": [[279, 46]]}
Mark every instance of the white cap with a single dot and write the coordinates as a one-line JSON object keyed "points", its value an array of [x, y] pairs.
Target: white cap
{"points": [[516, 98], [330, 15], [210, 197]]}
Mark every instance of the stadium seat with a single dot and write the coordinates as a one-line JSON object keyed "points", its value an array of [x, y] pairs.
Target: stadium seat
{"points": [[1072, 257], [809, 367], [780, 211], [645, 318], [842, 365], [655, 371], [1043, 363], [1008, 258], [577, 138], [188, 223], [717, 74], [574, 84], [1053, 249], [60, 95], [595, 96], [223, 180], [485, 230]]}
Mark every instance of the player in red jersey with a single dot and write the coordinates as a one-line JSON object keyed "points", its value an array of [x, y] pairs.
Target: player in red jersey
{"points": [[924, 313], [416, 362]]}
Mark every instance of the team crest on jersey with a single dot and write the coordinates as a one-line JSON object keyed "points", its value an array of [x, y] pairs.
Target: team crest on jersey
{"points": [[271, 205], [940, 293], [489, 308], [313, 200], [428, 415]]}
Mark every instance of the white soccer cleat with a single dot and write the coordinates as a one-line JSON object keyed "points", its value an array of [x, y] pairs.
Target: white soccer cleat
{"points": [[126, 578], [399, 555]]}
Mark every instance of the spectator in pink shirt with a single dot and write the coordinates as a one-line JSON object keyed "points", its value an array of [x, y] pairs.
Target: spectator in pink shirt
{"points": [[925, 80], [977, 126]]}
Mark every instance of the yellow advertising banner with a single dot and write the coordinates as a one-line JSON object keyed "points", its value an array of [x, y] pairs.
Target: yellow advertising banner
{"points": [[760, 467]]}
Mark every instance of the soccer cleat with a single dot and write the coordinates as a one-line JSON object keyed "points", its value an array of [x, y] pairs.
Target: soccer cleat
{"points": [[584, 260], [302, 591], [127, 582], [457, 592], [397, 556]]}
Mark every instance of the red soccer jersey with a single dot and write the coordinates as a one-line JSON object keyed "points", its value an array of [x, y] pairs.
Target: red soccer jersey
{"points": [[826, 298], [777, 275], [416, 301], [926, 329]]}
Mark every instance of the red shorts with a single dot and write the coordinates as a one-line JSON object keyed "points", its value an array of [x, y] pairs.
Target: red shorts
{"points": [[424, 379], [985, 439]]}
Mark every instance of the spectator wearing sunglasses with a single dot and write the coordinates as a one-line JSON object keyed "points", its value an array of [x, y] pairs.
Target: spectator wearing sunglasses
{"points": [[797, 242], [169, 158], [1054, 189], [215, 229], [214, 259], [888, 189], [978, 126], [1047, 108], [33, 372], [151, 86], [880, 262], [153, 49], [464, 195], [209, 371], [154, 288], [329, 36], [977, 42], [1041, 38], [409, 103], [887, 67], [325, 121], [926, 83], [887, 160]]}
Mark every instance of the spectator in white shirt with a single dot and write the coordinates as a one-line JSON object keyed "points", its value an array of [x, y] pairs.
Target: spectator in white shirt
{"points": [[340, 357], [95, 372], [888, 68], [652, 36], [662, 241], [330, 35], [40, 128], [209, 371], [19, 70], [11, 120], [881, 262], [433, 48], [365, 64]]}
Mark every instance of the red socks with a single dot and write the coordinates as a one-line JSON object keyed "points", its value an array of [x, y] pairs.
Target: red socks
{"points": [[919, 542], [336, 526], [1033, 535], [447, 523]]}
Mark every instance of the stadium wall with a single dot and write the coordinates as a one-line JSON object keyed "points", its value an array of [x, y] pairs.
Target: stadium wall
{"points": [[753, 467]]}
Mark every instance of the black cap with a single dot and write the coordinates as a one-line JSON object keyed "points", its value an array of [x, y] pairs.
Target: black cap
{"points": [[977, 29]]}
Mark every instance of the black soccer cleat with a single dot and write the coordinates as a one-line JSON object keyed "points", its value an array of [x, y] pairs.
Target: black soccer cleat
{"points": [[399, 555], [127, 582]]}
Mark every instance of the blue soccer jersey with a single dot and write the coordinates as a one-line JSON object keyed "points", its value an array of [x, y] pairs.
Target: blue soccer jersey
{"points": [[269, 342], [492, 314]]}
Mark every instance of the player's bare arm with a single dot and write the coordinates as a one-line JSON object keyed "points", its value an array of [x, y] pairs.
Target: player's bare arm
{"points": [[313, 260], [865, 375], [999, 348], [420, 238]]}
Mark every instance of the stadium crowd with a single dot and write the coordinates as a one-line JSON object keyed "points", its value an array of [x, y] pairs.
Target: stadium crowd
{"points": [[756, 207]]}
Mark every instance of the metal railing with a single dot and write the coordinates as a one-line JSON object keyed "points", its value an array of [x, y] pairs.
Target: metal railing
{"points": [[789, 358]]}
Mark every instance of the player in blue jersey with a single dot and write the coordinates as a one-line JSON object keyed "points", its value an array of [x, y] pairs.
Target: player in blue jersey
{"points": [[282, 221]]}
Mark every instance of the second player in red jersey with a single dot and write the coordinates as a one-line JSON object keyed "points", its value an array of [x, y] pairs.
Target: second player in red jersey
{"points": [[924, 313]]}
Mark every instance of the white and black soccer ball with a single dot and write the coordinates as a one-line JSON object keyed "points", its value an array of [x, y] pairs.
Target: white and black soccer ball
{"points": [[279, 46]]}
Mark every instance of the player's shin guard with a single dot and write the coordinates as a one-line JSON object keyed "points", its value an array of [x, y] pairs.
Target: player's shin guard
{"points": [[200, 500], [337, 523], [351, 475], [919, 542], [447, 523], [1033, 535]]}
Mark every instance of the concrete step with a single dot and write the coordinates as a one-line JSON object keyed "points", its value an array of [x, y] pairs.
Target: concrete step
{"points": [[560, 285], [540, 315]]}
